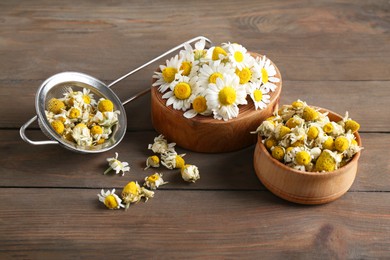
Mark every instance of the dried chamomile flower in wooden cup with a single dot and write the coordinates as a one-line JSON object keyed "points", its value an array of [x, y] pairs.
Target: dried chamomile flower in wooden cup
{"points": [[208, 100], [307, 155]]}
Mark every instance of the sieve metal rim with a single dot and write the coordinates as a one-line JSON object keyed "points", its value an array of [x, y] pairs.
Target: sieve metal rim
{"points": [[93, 83]]}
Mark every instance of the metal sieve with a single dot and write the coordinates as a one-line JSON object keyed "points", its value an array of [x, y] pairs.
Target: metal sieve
{"points": [[57, 85]]}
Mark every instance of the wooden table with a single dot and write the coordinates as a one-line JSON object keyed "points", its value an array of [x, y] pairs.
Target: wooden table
{"points": [[334, 54]]}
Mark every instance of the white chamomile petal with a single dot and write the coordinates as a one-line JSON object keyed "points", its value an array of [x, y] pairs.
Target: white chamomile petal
{"points": [[167, 74]]}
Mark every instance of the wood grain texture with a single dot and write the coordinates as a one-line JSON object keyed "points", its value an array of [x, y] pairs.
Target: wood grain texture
{"points": [[70, 223], [333, 54], [57, 167], [328, 40]]}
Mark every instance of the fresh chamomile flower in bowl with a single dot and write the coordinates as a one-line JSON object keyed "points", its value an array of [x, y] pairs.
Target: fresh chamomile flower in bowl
{"points": [[306, 154], [210, 99]]}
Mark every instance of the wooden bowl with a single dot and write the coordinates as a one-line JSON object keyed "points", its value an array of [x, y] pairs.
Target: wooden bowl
{"points": [[304, 187], [209, 135]]}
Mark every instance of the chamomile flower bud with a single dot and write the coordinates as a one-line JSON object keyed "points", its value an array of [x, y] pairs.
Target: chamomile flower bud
{"points": [[309, 114], [328, 144], [117, 166], [154, 181], [105, 105], [110, 199], [327, 161], [312, 133], [341, 143], [281, 131], [270, 142], [161, 145], [172, 160], [352, 125], [55, 105], [58, 126], [152, 161], [131, 193], [303, 158], [278, 153], [190, 173]]}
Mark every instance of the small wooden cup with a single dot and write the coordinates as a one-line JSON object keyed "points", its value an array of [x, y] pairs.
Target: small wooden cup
{"points": [[209, 135], [304, 187]]}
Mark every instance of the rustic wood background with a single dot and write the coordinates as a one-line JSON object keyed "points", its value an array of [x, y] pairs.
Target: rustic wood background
{"points": [[333, 54]]}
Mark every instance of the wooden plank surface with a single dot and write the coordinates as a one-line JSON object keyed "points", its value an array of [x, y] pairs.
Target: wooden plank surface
{"points": [[225, 171], [192, 224], [333, 54]]}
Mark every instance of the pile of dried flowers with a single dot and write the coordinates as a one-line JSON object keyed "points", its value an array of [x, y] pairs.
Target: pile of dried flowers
{"points": [[133, 192], [304, 138], [215, 81], [79, 118]]}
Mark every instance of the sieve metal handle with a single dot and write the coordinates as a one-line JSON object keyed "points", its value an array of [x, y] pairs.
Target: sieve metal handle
{"points": [[150, 62], [26, 139]]}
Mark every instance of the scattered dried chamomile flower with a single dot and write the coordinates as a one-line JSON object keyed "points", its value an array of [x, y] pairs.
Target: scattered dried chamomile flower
{"points": [[161, 145], [190, 173], [152, 161], [154, 181], [304, 138], [132, 193], [117, 166], [110, 199], [172, 160]]}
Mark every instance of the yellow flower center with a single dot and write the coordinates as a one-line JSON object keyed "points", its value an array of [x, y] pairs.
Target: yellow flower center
{"points": [[297, 104], [227, 96], [328, 128], [213, 77], [292, 122], [96, 130], [283, 131], [309, 114], [298, 143], [179, 162], [105, 105], [155, 159], [130, 188], [199, 104], [74, 113], [312, 133], [352, 125], [100, 141], [269, 143], [328, 144], [258, 95], [169, 74], [325, 162], [110, 202], [238, 56], [87, 99], [153, 178], [58, 126], [55, 105], [182, 90], [245, 75], [217, 52], [186, 68], [278, 153], [264, 75], [303, 158], [341, 143]]}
